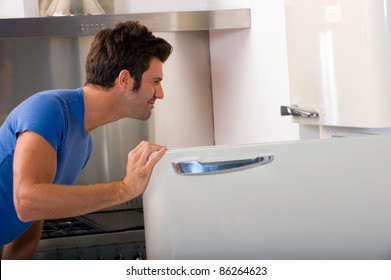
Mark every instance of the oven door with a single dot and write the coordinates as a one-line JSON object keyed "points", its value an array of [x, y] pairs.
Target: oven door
{"points": [[115, 234]]}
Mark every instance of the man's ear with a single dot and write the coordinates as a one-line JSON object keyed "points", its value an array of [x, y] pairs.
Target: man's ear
{"points": [[125, 80]]}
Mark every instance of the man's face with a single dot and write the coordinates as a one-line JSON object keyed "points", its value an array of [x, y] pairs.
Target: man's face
{"points": [[142, 101]]}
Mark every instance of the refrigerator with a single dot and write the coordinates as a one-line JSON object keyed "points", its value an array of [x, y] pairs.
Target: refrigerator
{"points": [[339, 66], [325, 196], [305, 199]]}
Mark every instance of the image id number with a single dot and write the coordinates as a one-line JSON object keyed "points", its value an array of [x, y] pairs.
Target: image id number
{"points": [[243, 270]]}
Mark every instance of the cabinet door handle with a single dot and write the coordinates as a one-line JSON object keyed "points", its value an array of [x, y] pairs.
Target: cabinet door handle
{"points": [[292, 111], [199, 168]]}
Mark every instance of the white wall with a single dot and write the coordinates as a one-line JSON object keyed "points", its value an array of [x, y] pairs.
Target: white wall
{"points": [[184, 118], [137, 6], [250, 76], [18, 8]]}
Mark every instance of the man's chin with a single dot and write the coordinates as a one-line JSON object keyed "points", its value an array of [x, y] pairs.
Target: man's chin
{"points": [[143, 117]]}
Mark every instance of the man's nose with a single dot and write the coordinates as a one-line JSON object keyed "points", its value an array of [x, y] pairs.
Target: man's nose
{"points": [[159, 93]]}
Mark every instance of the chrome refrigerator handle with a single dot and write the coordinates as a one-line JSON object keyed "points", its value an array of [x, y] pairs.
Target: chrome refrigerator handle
{"points": [[199, 168], [291, 111]]}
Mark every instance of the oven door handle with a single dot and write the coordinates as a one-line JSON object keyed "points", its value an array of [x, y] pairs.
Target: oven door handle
{"points": [[200, 168]]}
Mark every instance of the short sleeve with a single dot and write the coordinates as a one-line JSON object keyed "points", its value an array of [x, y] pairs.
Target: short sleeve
{"points": [[45, 115]]}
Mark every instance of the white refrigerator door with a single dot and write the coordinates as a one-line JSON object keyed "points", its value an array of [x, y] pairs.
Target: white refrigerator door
{"points": [[339, 51], [317, 199]]}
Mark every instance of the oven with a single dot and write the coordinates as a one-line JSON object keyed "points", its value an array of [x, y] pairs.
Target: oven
{"points": [[110, 234]]}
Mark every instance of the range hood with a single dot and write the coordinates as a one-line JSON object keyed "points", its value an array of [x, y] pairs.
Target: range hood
{"points": [[69, 26]]}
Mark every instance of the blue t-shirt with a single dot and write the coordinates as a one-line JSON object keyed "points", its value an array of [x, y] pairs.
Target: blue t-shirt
{"points": [[58, 116]]}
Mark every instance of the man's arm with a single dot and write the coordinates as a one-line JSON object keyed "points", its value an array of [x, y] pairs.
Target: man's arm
{"points": [[24, 246], [37, 198]]}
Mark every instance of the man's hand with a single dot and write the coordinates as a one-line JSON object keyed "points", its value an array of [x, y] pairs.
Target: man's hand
{"points": [[141, 162]]}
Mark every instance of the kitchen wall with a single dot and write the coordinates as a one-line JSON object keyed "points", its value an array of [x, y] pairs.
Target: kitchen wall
{"points": [[184, 118], [18, 8], [137, 6], [250, 76], [11, 9]]}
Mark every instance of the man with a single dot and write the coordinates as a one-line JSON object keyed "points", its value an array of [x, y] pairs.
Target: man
{"points": [[45, 141]]}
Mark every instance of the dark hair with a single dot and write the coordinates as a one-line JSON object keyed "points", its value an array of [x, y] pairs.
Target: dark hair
{"points": [[129, 46]]}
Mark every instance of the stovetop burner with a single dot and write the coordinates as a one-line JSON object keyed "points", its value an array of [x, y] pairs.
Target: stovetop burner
{"points": [[94, 223], [68, 227], [117, 234]]}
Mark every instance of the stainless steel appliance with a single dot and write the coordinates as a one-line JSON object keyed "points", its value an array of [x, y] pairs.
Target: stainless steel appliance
{"points": [[102, 235]]}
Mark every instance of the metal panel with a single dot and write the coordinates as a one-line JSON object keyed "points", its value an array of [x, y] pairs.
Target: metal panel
{"points": [[156, 22]]}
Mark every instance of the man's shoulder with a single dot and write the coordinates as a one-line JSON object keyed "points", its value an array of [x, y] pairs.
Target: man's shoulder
{"points": [[65, 95]]}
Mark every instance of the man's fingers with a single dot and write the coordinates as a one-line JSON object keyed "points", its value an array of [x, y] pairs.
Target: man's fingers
{"points": [[147, 152], [156, 156]]}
